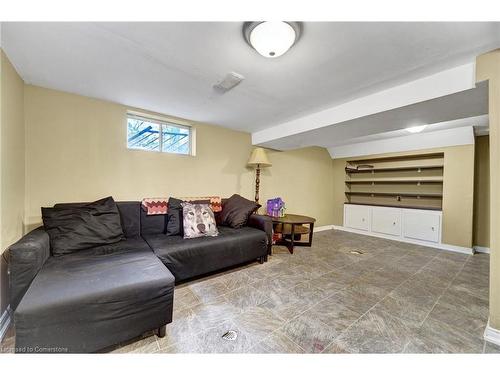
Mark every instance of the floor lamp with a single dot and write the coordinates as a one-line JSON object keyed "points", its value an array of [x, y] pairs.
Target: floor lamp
{"points": [[258, 159]]}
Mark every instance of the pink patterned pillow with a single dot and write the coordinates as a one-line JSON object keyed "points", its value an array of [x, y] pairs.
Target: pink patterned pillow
{"points": [[214, 200], [155, 206]]}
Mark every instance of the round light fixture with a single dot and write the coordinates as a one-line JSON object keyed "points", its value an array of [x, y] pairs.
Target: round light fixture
{"points": [[272, 38], [416, 129]]}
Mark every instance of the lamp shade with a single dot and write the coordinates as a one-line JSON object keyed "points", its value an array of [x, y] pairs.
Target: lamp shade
{"points": [[259, 157]]}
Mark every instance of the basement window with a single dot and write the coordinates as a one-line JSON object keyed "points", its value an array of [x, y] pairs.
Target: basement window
{"points": [[155, 134]]}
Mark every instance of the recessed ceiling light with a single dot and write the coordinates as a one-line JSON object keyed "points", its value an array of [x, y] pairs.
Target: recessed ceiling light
{"points": [[416, 129], [272, 38]]}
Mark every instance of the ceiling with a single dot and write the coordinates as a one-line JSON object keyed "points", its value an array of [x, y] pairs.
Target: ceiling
{"points": [[171, 67]]}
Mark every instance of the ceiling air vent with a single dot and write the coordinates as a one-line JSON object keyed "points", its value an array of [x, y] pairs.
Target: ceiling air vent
{"points": [[230, 81]]}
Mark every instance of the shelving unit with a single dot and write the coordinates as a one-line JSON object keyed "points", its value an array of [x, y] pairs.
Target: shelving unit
{"points": [[405, 182]]}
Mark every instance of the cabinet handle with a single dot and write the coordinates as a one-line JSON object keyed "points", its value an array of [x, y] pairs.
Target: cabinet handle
{"points": [[394, 223], [432, 229], [363, 219]]}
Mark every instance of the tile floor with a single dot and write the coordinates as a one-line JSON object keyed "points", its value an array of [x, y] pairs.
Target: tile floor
{"points": [[393, 298]]}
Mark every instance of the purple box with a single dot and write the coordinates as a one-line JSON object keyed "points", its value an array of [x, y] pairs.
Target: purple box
{"points": [[275, 207]]}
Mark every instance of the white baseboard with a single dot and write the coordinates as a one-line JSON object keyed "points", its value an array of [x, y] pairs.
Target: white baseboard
{"points": [[492, 335], [324, 227], [5, 322], [481, 249], [443, 246]]}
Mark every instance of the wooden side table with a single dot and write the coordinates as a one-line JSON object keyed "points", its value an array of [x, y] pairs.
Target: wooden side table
{"points": [[292, 225]]}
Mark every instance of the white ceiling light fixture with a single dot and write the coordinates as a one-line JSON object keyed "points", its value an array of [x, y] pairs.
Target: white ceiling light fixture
{"points": [[416, 129], [272, 38]]}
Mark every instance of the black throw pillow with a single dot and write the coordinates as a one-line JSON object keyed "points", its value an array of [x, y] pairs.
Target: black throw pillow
{"points": [[174, 218], [77, 228], [236, 210]]}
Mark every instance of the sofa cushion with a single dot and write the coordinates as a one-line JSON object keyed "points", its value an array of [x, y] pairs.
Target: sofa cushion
{"points": [[130, 215], [152, 224], [187, 258], [89, 300], [76, 228], [236, 210], [174, 218]]}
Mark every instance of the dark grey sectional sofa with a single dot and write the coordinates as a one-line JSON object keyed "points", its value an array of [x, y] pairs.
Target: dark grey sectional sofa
{"points": [[96, 298]]}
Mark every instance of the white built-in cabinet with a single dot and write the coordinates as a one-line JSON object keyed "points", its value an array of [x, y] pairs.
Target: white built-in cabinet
{"points": [[358, 217], [386, 220], [422, 225], [405, 224]]}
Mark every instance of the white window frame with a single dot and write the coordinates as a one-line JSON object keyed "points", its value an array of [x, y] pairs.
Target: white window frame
{"points": [[161, 120]]}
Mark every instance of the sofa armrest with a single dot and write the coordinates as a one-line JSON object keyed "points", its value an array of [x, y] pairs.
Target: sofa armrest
{"points": [[26, 258], [265, 224]]}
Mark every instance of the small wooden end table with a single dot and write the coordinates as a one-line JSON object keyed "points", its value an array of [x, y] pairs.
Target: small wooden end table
{"points": [[292, 225]]}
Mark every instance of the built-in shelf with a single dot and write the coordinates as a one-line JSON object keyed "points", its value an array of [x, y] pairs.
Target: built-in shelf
{"points": [[402, 180], [412, 181], [408, 195], [388, 169]]}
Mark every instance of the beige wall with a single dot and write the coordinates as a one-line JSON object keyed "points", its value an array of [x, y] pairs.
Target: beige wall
{"points": [[458, 191], [488, 68], [12, 164], [303, 178], [482, 193], [76, 151]]}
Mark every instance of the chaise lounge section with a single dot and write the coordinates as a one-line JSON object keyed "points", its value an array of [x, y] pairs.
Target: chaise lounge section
{"points": [[92, 299]]}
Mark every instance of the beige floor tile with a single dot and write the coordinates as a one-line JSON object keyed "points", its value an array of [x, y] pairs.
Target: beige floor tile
{"points": [[290, 303], [359, 297], [374, 332], [245, 297], [208, 290], [466, 321], [184, 297], [439, 337], [310, 334], [277, 343]]}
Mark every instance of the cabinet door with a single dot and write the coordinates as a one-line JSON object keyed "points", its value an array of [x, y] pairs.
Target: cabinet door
{"points": [[357, 217], [421, 225], [386, 221]]}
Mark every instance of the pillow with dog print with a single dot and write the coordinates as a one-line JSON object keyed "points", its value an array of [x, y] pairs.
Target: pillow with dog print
{"points": [[198, 220]]}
